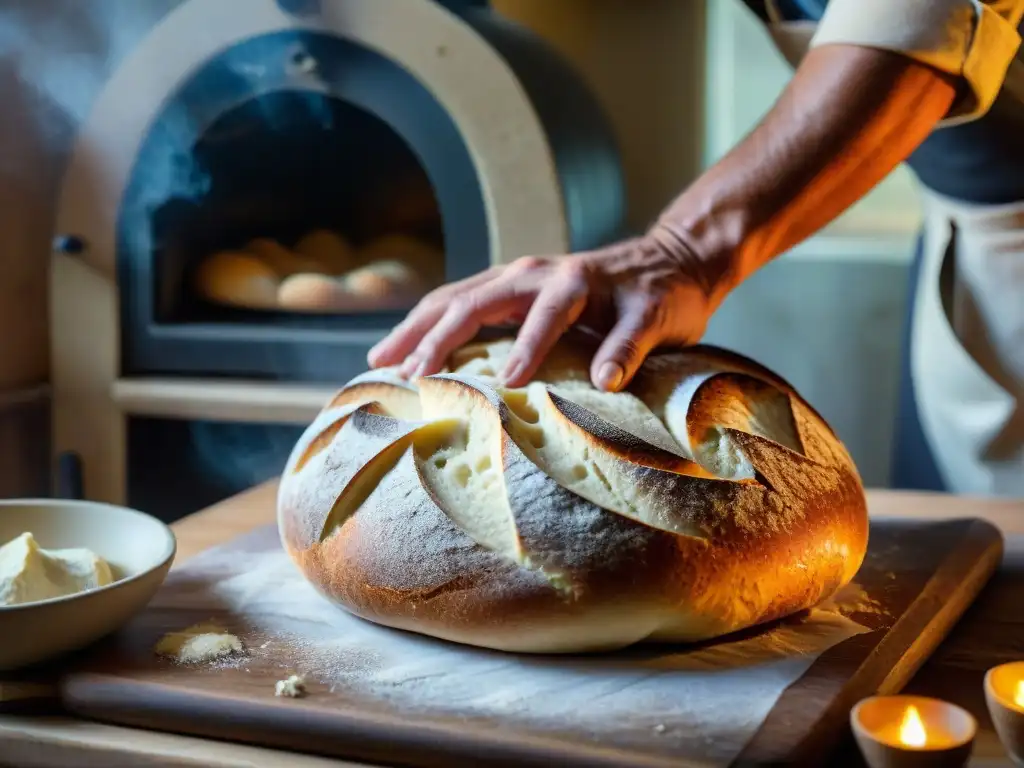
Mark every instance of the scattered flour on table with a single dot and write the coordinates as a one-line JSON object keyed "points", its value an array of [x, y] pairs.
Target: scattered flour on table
{"points": [[706, 702], [853, 599], [199, 644]]}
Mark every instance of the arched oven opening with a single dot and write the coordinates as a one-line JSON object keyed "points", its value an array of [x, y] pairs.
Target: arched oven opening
{"points": [[276, 211], [312, 182]]}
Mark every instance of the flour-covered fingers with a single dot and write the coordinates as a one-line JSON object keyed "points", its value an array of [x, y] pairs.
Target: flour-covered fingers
{"points": [[558, 305]]}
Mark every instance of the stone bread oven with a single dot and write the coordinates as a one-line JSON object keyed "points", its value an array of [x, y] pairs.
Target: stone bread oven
{"points": [[368, 119]]}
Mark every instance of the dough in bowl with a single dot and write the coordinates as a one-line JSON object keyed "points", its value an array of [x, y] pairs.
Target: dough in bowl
{"points": [[29, 573], [553, 518]]}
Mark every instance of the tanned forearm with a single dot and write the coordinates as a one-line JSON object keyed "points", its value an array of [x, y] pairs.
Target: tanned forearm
{"points": [[849, 116]]}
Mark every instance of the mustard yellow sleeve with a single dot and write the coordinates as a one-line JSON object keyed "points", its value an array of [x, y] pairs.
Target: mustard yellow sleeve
{"points": [[971, 39]]}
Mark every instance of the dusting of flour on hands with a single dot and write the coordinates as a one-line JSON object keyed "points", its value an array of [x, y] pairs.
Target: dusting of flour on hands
{"points": [[686, 696], [198, 644]]}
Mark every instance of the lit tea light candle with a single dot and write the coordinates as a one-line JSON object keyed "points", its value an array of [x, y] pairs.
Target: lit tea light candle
{"points": [[910, 731], [1004, 695]]}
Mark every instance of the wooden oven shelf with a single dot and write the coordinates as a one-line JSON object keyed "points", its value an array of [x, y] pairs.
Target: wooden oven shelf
{"points": [[221, 399]]}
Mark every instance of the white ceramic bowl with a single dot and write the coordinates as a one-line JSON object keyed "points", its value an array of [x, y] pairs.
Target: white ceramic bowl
{"points": [[139, 548]]}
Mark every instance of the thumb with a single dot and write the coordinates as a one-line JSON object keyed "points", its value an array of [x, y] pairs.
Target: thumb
{"points": [[624, 349]]}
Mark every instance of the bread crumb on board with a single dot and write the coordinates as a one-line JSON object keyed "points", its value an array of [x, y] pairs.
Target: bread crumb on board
{"points": [[198, 644], [293, 688]]}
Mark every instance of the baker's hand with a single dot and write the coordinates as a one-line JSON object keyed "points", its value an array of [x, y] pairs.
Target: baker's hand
{"points": [[638, 295]]}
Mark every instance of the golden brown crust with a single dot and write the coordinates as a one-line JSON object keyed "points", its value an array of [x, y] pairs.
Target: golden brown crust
{"points": [[626, 445], [331, 252], [237, 279], [615, 540], [454, 588], [283, 261], [396, 398]]}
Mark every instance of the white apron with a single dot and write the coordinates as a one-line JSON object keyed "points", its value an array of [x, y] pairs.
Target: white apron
{"points": [[967, 327], [967, 344]]}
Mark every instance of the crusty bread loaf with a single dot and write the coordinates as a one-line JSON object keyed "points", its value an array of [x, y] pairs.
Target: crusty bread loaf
{"points": [[425, 260], [283, 261], [308, 292], [266, 275], [707, 498], [330, 250], [385, 279], [237, 279], [362, 290]]}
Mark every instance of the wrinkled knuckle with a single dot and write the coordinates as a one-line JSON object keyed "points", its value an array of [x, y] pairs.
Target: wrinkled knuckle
{"points": [[551, 315], [572, 267], [653, 311], [463, 306], [628, 350], [574, 273], [654, 284], [430, 303], [529, 263], [652, 304]]}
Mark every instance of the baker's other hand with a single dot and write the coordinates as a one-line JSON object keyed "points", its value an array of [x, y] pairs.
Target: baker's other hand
{"points": [[638, 295]]}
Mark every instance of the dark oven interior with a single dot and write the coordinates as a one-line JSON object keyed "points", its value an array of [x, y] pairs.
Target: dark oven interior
{"points": [[312, 147], [283, 167]]}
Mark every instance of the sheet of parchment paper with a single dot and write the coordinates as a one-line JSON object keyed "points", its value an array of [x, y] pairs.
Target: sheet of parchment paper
{"points": [[706, 702]]}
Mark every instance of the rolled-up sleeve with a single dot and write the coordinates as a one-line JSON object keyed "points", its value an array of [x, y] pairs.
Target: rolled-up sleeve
{"points": [[971, 39]]}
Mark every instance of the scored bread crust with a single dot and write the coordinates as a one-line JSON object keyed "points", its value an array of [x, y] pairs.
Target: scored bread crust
{"points": [[707, 498]]}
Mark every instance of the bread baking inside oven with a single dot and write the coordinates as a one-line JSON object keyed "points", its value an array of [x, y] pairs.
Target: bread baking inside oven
{"points": [[328, 250], [707, 498], [313, 292], [251, 278], [322, 272], [383, 279], [282, 260], [237, 279], [421, 259]]}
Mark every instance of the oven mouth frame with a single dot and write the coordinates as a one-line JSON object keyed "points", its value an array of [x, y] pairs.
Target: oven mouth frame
{"points": [[270, 344]]}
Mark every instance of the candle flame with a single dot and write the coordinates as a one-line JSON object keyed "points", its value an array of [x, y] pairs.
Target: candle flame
{"points": [[1018, 694], [912, 731]]}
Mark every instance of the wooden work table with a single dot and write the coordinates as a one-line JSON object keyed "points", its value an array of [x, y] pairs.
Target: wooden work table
{"points": [[990, 633]]}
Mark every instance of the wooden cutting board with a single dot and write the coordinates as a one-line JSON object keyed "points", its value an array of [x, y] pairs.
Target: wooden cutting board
{"points": [[918, 578]]}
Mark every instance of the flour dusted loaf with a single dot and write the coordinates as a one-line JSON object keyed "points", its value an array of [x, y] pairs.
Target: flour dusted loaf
{"points": [[707, 498]]}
